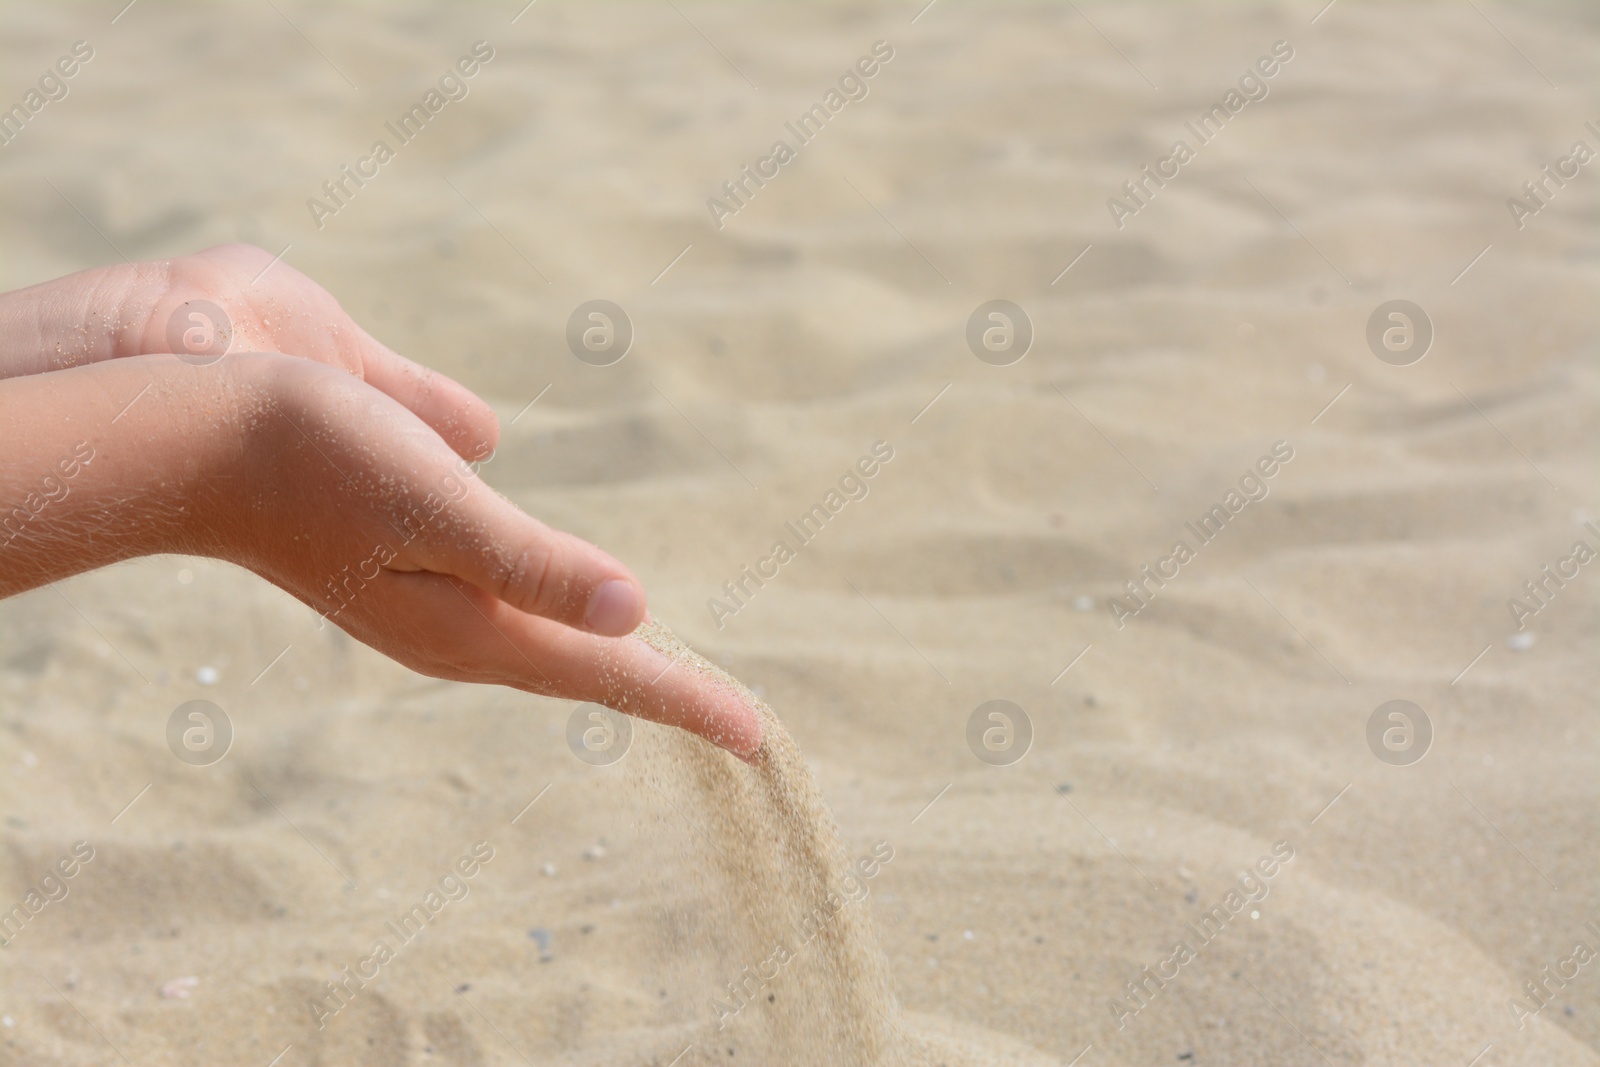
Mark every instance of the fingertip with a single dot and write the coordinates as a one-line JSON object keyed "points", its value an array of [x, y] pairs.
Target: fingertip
{"points": [[615, 609], [748, 747], [738, 730], [465, 420]]}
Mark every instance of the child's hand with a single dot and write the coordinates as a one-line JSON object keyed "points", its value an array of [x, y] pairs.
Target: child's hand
{"points": [[348, 497], [112, 312], [353, 505]]}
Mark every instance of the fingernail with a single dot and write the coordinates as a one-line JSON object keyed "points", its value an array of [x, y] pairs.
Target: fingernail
{"points": [[613, 608]]}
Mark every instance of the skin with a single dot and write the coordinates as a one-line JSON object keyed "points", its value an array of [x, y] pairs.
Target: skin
{"points": [[321, 460]]}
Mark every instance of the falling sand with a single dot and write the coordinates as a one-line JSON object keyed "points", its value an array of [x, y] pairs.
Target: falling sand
{"points": [[808, 983], [798, 978]]}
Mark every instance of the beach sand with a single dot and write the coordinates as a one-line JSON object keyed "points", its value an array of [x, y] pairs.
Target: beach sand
{"points": [[1224, 719]]}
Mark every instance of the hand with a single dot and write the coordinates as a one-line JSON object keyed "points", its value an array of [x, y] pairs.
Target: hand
{"points": [[120, 311], [349, 502]]}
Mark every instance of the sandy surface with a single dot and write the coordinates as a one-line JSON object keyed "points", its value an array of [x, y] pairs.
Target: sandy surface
{"points": [[1223, 718]]}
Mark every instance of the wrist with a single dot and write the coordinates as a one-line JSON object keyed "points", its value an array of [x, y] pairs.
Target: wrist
{"points": [[125, 458], [237, 494]]}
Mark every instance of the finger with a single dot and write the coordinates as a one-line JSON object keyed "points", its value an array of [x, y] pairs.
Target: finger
{"points": [[466, 422], [445, 629], [488, 541], [297, 316]]}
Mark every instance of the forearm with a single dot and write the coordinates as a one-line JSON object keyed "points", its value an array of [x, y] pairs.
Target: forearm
{"points": [[110, 461]]}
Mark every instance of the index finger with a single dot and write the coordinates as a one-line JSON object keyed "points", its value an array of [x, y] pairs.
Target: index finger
{"points": [[470, 635]]}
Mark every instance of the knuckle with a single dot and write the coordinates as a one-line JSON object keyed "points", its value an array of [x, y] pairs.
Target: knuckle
{"points": [[424, 385], [531, 579]]}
